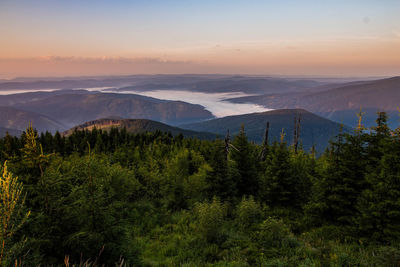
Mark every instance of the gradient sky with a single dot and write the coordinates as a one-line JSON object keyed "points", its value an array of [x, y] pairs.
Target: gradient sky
{"points": [[288, 37]]}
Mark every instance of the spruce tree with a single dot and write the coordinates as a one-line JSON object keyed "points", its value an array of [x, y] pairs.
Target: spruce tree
{"points": [[278, 185], [245, 161], [342, 179], [12, 215], [222, 182], [379, 205]]}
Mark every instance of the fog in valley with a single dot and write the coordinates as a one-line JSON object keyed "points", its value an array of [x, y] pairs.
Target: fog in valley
{"points": [[214, 102]]}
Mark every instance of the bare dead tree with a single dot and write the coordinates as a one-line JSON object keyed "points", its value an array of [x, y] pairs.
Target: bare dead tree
{"points": [[360, 127], [313, 151], [296, 132], [228, 145], [265, 143], [298, 128], [282, 135], [227, 142]]}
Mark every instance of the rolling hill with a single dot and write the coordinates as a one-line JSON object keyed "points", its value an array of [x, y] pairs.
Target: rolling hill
{"points": [[340, 102], [21, 98], [139, 126], [189, 82], [314, 129], [229, 84], [32, 83], [17, 119], [74, 109]]}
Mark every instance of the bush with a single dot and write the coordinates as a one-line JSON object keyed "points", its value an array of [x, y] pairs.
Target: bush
{"points": [[210, 219], [274, 239], [248, 212], [388, 256], [273, 233], [321, 235]]}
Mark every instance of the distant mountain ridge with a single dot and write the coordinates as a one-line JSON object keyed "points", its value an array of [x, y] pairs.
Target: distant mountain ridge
{"points": [[243, 84], [62, 109], [18, 119], [315, 130], [73, 109], [189, 82], [138, 126], [340, 102], [20, 99]]}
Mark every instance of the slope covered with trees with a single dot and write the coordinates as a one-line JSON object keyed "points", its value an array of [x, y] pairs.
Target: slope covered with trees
{"points": [[152, 199], [315, 130], [13, 118], [63, 109], [339, 102], [74, 109], [138, 126]]}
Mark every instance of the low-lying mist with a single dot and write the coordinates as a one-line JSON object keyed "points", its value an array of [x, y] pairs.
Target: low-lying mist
{"points": [[213, 102]]}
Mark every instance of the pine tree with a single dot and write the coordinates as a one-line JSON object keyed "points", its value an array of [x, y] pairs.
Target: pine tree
{"points": [[12, 215], [222, 182], [378, 135], [10, 147], [379, 204], [278, 186], [59, 143], [245, 161], [32, 153], [342, 179], [34, 162]]}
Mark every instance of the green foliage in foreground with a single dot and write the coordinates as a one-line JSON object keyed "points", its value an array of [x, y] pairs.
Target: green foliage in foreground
{"points": [[107, 198]]}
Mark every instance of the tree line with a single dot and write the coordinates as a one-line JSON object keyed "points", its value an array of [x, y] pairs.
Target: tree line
{"points": [[153, 199]]}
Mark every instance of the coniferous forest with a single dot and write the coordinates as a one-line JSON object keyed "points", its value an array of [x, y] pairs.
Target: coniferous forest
{"points": [[111, 198]]}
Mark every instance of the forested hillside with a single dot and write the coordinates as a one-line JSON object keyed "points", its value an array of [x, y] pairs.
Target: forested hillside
{"points": [[13, 118], [73, 109], [315, 131], [62, 109], [154, 199], [339, 102], [138, 126]]}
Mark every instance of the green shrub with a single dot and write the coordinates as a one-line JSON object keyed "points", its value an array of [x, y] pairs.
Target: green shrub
{"points": [[274, 233], [388, 256], [210, 219], [248, 212], [274, 239]]}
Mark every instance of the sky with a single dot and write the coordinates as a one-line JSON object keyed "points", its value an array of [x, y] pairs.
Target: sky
{"points": [[270, 37]]}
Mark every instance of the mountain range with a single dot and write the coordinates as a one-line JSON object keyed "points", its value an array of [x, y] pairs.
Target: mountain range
{"points": [[340, 102], [242, 84], [73, 109], [189, 82], [314, 130], [61, 110], [17, 119], [67, 104]]}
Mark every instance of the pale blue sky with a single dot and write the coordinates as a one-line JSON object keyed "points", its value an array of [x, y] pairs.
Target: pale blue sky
{"points": [[191, 30]]}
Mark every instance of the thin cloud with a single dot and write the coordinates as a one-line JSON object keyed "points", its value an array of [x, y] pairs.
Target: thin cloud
{"points": [[103, 59]]}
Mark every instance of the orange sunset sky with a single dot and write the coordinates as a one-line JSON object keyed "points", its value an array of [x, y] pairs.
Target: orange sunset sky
{"points": [[324, 38]]}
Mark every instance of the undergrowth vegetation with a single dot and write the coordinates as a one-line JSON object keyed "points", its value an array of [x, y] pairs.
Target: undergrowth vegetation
{"points": [[113, 198]]}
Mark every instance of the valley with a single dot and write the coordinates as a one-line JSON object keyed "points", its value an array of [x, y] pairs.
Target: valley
{"points": [[200, 133], [204, 103]]}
